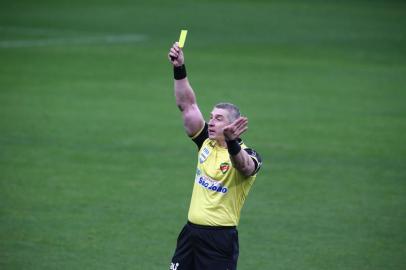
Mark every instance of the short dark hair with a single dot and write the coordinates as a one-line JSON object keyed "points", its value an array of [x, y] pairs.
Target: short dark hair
{"points": [[233, 111]]}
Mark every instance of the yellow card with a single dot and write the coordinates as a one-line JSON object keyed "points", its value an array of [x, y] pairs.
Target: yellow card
{"points": [[182, 38]]}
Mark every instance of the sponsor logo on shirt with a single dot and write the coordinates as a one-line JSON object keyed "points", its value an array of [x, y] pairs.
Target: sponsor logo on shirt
{"points": [[210, 184]]}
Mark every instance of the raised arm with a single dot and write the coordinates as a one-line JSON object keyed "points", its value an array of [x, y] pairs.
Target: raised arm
{"points": [[185, 97]]}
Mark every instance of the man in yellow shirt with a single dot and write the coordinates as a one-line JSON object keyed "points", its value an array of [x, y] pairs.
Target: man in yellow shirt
{"points": [[226, 170]]}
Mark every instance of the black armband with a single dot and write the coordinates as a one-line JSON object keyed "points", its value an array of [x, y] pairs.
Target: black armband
{"points": [[233, 147], [179, 73]]}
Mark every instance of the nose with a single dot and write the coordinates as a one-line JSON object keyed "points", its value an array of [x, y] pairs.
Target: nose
{"points": [[211, 124]]}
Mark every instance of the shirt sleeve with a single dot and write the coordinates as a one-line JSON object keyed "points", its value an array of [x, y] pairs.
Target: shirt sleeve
{"points": [[256, 158], [201, 136]]}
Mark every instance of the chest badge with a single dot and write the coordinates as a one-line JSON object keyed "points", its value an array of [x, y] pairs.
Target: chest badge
{"points": [[224, 167]]}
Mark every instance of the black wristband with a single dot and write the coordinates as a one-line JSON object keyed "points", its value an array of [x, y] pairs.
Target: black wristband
{"points": [[233, 147], [179, 73]]}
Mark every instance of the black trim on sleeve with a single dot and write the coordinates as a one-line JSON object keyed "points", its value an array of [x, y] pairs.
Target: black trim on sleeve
{"points": [[256, 158], [204, 134]]}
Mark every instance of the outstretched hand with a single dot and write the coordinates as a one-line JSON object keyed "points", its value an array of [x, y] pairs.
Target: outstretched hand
{"points": [[175, 55], [236, 128]]}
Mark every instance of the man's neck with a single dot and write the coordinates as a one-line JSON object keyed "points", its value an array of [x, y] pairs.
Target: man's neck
{"points": [[221, 143]]}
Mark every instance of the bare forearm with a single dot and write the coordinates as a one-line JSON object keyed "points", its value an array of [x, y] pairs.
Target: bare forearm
{"points": [[243, 163]]}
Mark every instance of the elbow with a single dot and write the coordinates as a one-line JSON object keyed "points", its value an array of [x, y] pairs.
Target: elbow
{"points": [[184, 106], [248, 168], [246, 171], [180, 107]]}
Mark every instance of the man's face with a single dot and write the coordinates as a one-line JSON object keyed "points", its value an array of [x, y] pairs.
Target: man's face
{"points": [[218, 120]]}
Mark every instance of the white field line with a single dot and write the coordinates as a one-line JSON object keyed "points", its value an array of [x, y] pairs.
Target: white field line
{"points": [[37, 31], [127, 38]]}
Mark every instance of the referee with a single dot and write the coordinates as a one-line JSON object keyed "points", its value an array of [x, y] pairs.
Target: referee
{"points": [[226, 170]]}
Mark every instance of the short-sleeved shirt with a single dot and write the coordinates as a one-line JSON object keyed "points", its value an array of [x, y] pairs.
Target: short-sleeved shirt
{"points": [[219, 190]]}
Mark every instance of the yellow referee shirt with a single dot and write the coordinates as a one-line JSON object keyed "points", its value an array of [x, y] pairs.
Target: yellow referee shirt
{"points": [[219, 190]]}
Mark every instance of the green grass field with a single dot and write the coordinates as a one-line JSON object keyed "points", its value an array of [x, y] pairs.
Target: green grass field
{"points": [[96, 171]]}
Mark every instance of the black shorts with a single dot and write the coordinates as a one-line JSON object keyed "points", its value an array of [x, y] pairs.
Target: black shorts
{"points": [[206, 248]]}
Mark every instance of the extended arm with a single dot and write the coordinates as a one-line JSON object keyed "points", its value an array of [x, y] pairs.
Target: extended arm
{"points": [[185, 97]]}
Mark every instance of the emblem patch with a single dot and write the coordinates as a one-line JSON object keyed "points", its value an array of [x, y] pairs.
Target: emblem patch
{"points": [[224, 167], [204, 155]]}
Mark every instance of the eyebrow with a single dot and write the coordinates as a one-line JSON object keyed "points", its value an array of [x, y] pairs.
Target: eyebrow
{"points": [[216, 115]]}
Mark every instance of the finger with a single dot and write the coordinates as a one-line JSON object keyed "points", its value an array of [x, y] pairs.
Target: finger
{"points": [[242, 119], [236, 122], [241, 123], [174, 50], [172, 55], [229, 129], [240, 131], [242, 126]]}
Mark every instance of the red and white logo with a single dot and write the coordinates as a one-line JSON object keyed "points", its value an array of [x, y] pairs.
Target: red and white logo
{"points": [[224, 167]]}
